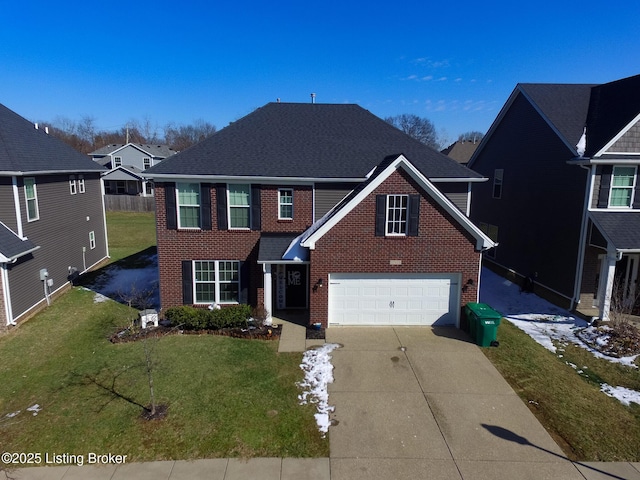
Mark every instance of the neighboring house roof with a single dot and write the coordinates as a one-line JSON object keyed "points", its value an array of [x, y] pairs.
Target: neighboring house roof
{"points": [[621, 229], [128, 172], [461, 151], [390, 164], [314, 141], [154, 150], [26, 149], [12, 246]]}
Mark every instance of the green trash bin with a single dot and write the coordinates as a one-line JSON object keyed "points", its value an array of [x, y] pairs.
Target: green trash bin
{"points": [[483, 322]]}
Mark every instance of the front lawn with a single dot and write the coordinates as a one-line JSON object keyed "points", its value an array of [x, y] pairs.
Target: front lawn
{"points": [[226, 397]]}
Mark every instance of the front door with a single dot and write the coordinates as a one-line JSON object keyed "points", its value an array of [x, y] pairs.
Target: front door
{"points": [[292, 287]]}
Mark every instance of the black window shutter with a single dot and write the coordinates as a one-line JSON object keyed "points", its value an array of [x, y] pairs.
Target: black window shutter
{"points": [[605, 186], [205, 206], [256, 220], [636, 194], [221, 206], [170, 205], [243, 296], [187, 282], [413, 215], [381, 214]]}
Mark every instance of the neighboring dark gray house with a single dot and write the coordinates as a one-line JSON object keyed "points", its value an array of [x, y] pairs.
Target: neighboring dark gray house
{"points": [[52, 222], [563, 197], [125, 163]]}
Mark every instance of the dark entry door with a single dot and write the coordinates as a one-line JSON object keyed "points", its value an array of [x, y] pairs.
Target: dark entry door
{"points": [[296, 286]]}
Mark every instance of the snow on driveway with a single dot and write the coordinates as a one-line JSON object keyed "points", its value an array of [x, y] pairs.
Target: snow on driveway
{"points": [[546, 323]]}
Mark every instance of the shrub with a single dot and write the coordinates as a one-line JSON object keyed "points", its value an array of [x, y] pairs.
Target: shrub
{"points": [[190, 318]]}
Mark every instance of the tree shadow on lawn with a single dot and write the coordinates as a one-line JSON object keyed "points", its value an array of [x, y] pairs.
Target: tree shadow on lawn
{"points": [[132, 280]]}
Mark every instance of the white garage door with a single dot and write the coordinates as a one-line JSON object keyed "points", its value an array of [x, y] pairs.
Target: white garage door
{"points": [[387, 299]]}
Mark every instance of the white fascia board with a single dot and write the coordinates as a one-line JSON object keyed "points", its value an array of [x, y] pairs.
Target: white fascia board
{"points": [[51, 172], [618, 136], [482, 241], [458, 180], [126, 170]]}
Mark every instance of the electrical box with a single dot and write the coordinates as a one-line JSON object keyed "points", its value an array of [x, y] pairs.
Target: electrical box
{"points": [[49, 282], [43, 274]]}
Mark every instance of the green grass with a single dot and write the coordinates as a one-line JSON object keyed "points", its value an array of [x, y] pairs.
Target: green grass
{"points": [[586, 423], [225, 396], [130, 233]]}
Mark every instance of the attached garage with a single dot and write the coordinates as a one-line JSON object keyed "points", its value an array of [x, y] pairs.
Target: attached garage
{"points": [[394, 299]]}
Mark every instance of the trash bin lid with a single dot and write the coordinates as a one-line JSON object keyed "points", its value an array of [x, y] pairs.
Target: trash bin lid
{"points": [[482, 310]]}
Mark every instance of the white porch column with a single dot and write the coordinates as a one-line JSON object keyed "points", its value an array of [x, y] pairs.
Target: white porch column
{"points": [[268, 294], [608, 271]]}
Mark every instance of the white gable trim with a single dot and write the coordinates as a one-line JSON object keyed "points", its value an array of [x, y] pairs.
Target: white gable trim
{"points": [[316, 232], [618, 137]]}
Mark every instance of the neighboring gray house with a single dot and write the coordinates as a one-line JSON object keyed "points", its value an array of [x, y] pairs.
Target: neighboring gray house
{"points": [[52, 222], [126, 162], [563, 200]]}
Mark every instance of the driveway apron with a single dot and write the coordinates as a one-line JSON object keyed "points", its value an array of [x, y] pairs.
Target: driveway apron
{"points": [[422, 402]]}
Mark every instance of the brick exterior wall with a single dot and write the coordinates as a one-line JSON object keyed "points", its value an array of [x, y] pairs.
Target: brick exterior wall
{"points": [[442, 246], [174, 246]]}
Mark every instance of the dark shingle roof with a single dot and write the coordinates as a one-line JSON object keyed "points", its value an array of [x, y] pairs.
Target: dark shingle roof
{"points": [[461, 151], [613, 106], [308, 141], [274, 245], [23, 148], [564, 105], [11, 245], [621, 228]]}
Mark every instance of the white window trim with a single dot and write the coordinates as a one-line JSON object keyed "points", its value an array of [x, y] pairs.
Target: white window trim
{"points": [[498, 181], [73, 188], [280, 204], [81, 188], [216, 282], [146, 163], [406, 221], [632, 187], [178, 205], [35, 199], [92, 240], [117, 162], [229, 207]]}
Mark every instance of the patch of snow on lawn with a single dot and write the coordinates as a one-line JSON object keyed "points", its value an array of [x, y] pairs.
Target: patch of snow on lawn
{"points": [[318, 374], [624, 395], [546, 323]]}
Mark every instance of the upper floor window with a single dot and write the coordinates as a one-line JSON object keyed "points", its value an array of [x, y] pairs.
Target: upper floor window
{"points": [[285, 204], [188, 195], [72, 185], [239, 205], [397, 206], [622, 186], [81, 184], [146, 162], [31, 197], [498, 174], [92, 240], [117, 162]]}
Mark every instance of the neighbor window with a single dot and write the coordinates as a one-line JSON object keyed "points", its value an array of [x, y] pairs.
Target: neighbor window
{"points": [[117, 161], [146, 162], [148, 188], [622, 185], [72, 185], [81, 183], [188, 205], [121, 187], [285, 204], [216, 281], [31, 196], [92, 240], [397, 214], [497, 182], [239, 205]]}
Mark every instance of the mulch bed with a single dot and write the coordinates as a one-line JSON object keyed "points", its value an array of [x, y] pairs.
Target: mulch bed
{"points": [[257, 333], [315, 333]]}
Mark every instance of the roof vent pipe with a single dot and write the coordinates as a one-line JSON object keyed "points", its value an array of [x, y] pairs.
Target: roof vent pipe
{"points": [[313, 98], [35, 125], [46, 130]]}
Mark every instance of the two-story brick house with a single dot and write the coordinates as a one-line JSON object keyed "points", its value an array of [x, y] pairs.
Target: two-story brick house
{"points": [[325, 209], [563, 199], [52, 222]]}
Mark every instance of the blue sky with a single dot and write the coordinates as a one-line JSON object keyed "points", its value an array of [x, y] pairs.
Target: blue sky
{"points": [[450, 61]]}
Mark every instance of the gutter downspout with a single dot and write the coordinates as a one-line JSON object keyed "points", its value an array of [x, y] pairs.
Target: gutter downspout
{"points": [[575, 301], [6, 294]]}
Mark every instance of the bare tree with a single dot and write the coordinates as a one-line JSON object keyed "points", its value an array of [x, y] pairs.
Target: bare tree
{"points": [[422, 129], [472, 136], [183, 136]]}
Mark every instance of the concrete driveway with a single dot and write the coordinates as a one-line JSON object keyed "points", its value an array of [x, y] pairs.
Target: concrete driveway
{"points": [[417, 402]]}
